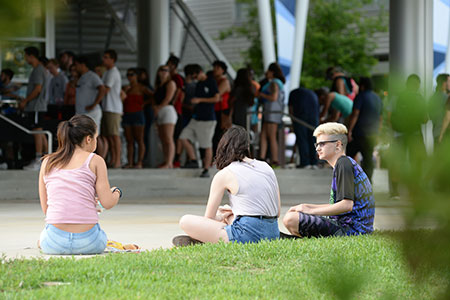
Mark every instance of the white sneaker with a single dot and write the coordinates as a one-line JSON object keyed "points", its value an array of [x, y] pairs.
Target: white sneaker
{"points": [[35, 165], [314, 167]]}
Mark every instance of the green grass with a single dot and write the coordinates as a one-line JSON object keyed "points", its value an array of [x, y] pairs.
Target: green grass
{"points": [[366, 267]]}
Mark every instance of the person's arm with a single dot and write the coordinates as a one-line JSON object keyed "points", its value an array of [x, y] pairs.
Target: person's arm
{"points": [[273, 93], [213, 99], [224, 86], [352, 121], [100, 95], [340, 86], [329, 98], [445, 124], [35, 93], [66, 94], [107, 198], [42, 188], [338, 208], [217, 189]]}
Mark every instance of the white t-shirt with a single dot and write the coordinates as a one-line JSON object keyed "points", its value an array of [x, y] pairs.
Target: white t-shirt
{"points": [[87, 90], [258, 189], [112, 80]]}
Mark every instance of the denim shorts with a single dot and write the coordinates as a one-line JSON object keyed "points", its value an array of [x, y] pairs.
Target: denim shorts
{"points": [[133, 119], [57, 241], [252, 229]]}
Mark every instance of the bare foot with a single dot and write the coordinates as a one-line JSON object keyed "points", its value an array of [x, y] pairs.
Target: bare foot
{"points": [[138, 166], [165, 166]]}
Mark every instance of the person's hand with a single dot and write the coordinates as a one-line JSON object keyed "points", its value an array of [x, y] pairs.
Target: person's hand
{"points": [[299, 208], [22, 104], [195, 100], [156, 109], [90, 107]]}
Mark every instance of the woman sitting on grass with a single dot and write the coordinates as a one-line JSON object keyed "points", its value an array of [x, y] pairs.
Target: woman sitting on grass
{"points": [[253, 192], [69, 180]]}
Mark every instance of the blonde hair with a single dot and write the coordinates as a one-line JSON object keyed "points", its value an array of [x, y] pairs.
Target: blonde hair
{"points": [[330, 128], [336, 131]]}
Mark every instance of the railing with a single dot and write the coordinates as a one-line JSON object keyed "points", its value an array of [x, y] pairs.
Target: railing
{"points": [[281, 140], [32, 132]]}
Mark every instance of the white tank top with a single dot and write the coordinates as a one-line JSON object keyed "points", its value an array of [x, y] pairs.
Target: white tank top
{"points": [[258, 189]]}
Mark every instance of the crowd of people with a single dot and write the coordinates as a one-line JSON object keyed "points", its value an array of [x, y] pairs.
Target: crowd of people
{"points": [[195, 110]]}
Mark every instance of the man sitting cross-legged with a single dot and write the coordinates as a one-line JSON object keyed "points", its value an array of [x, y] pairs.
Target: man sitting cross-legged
{"points": [[352, 206]]}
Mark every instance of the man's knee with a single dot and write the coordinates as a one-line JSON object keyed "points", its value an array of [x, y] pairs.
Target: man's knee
{"points": [[290, 221], [185, 221]]}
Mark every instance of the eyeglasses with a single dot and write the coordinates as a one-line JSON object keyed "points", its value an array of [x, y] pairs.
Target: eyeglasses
{"points": [[130, 74], [321, 144], [164, 70]]}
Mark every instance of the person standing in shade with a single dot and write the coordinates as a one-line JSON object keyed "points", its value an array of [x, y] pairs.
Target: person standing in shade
{"points": [[35, 105], [272, 96], [57, 83], [178, 98], [242, 97], [437, 103], [112, 106], [190, 71], [203, 122], [90, 92], [133, 120], [364, 125], [221, 108], [304, 105], [166, 116]]}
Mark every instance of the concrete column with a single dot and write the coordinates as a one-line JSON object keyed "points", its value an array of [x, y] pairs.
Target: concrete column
{"points": [[411, 49], [159, 34], [176, 34], [153, 50], [153, 34], [50, 28], [143, 33], [411, 42], [301, 15], [447, 54], [266, 32]]}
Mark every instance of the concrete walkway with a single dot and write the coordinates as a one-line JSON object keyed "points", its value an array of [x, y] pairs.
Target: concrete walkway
{"points": [[150, 223]]}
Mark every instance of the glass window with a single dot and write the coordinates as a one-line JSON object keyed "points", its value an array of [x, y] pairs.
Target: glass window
{"points": [[12, 57]]}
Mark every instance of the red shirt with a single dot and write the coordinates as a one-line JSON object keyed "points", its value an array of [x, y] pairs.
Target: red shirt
{"points": [[133, 103], [223, 103], [178, 103]]}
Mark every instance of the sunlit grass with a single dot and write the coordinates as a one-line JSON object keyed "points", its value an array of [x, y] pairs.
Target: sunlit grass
{"points": [[367, 267]]}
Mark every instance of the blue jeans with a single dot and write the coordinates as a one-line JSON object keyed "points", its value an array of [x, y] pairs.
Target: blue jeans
{"points": [[252, 229], [305, 145], [57, 241]]}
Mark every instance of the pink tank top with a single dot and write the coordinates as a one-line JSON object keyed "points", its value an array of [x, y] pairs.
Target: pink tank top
{"points": [[71, 195]]}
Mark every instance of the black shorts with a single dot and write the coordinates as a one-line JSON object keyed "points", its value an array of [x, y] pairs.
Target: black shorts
{"points": [[33, 120], [318, 226]]}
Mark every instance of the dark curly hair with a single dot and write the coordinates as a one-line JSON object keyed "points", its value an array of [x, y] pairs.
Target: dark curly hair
{"points": [[233, 146]]}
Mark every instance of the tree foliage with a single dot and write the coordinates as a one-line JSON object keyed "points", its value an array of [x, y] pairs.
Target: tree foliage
{"points": [[337, 33]]}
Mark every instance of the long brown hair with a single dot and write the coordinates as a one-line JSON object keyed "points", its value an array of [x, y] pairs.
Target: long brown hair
{"points": [[70, 134], [233, 146], [277, 72]]}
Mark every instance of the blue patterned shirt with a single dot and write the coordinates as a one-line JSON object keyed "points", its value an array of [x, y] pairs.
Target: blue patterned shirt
{"points": [[351, 183]]}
